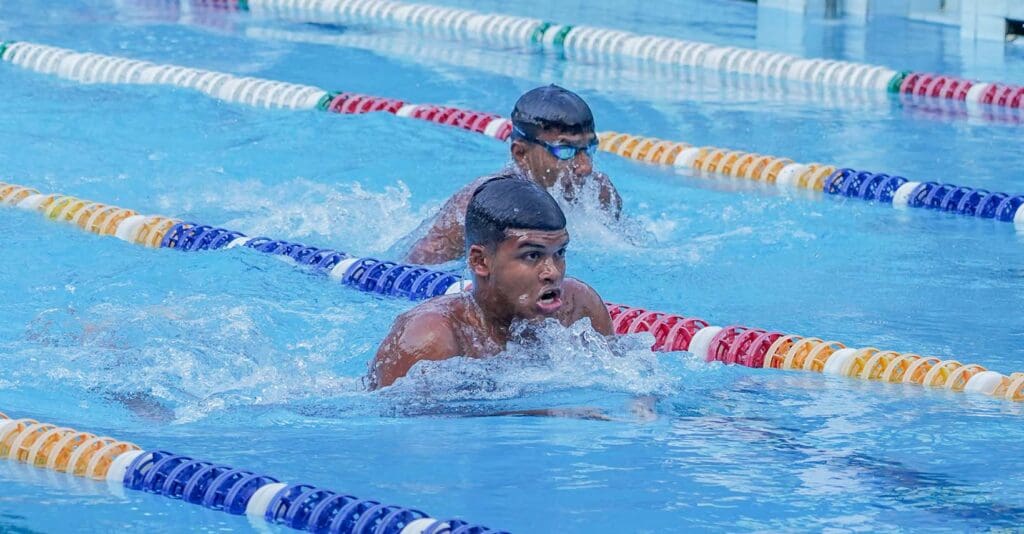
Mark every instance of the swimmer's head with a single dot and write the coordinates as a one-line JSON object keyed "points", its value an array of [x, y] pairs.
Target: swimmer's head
{"points": [[516, 241], [553, 135]]}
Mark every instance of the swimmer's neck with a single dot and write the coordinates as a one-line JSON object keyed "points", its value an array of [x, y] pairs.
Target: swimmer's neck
{"points": [[494, 315]]}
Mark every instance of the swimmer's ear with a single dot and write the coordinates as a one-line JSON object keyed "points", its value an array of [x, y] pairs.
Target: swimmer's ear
{"points": [[479, 260], [518, 151]]}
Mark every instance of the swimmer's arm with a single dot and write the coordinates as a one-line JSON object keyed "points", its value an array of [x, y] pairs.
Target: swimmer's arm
{"points": [[143, 405], [641, 408], [593, 414], [446, 239], [608, 195], [414, 337]]}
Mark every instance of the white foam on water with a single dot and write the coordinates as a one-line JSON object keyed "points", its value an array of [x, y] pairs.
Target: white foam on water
{"points": [[543, 358], [188, 358], [348, 216]]}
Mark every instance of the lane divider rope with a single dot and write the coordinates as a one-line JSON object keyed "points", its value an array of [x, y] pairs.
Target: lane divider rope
{"points": [[782, 172], [155, 231], [661, 76], [734, 345], [214, 486], [594, 45], [759, 348], [785, 173], [658, 80]]}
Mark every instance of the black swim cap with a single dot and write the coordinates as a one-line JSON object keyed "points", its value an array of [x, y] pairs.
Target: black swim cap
{"points": [[552, 108], [509, 201]]}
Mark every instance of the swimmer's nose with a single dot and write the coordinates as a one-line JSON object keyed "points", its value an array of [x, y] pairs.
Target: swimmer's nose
{"points": [[550, 271]]}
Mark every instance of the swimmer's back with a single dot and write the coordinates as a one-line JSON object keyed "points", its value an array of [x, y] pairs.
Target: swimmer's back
{"points": [[446, 238]]}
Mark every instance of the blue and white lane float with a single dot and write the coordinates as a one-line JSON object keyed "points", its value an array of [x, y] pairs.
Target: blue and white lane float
{"points": [[751, 347], [370, 275], [214, 486], [781, 172], [366, 274]]}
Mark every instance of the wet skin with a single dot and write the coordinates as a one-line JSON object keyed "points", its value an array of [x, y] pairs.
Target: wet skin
{"points": [[522, 278], [445, 241]]}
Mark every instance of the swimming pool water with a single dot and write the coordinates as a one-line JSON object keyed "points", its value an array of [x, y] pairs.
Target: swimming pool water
{"points": [[247, 361]]}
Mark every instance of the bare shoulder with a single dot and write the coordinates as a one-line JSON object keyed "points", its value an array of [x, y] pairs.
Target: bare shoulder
{"points": [[462, 197], [422, 333], [585, 302], [580, 292], [427, 326], [445, 239], [454, 209]]}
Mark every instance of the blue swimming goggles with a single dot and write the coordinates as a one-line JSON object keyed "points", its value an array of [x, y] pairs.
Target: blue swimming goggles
{"points": [[562, 152]]}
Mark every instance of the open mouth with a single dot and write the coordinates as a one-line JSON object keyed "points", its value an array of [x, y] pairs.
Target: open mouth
{"points": [[550, 300]]}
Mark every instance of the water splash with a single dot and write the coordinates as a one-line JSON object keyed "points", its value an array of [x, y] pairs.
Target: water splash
{"points": [[185, 359], [541, 359], [363, 220]]}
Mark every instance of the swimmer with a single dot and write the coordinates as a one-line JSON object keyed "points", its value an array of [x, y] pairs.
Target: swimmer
{"points": [[553, 144], [516, 242]]}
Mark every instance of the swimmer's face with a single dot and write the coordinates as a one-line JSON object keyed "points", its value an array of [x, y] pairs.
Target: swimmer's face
{"points": [[544, 168], [525, 270]]}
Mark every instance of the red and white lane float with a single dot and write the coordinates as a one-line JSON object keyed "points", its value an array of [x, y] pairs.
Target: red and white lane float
{"points": [[754, 347]]}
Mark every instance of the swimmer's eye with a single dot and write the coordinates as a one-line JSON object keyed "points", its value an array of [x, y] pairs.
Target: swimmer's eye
{"points": [[531, 256], [560, 253]]}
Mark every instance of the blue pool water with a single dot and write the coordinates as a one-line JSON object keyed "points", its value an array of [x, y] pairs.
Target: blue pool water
{"points": [[250, 362]]}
